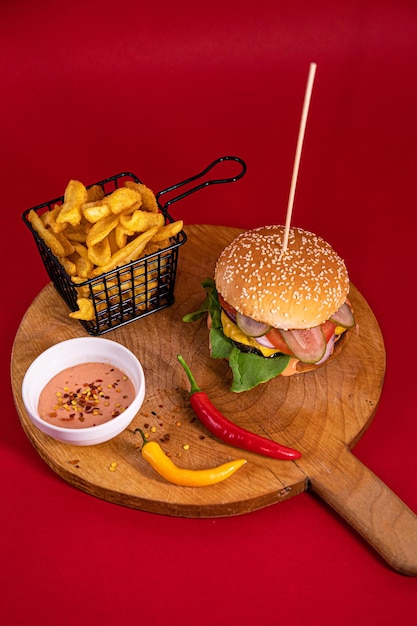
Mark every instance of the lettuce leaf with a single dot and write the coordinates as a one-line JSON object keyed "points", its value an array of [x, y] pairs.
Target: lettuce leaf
{"points": [[249, 369]]}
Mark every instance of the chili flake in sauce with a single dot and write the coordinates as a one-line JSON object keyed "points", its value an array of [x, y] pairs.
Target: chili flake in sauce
{"points": [[85, 395]]}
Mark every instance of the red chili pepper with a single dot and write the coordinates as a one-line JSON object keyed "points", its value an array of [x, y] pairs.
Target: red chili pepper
{"points": [[228, 431]]}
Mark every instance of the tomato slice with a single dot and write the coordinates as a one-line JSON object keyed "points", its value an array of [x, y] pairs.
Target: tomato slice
{"points": [[277, 340], [226, 306], [328, 329]]}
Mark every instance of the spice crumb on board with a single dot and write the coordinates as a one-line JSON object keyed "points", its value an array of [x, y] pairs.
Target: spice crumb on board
{"points": [[155, 421], [112, 466]]}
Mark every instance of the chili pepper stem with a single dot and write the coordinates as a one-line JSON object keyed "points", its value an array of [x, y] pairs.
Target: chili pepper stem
{"points": [[143, 435], [194, 387]]}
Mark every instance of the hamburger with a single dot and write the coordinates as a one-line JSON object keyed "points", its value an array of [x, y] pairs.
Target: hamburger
{"points": [[275, 312]]}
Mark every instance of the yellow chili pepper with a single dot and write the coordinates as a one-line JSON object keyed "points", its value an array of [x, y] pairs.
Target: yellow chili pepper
{"points": [[156, 457]]}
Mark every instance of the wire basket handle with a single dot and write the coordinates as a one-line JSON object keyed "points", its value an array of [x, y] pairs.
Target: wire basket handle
{"points": [[215, 181]]}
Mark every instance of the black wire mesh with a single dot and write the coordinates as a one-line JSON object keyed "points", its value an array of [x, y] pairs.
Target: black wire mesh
{"points": [[121, 295]]}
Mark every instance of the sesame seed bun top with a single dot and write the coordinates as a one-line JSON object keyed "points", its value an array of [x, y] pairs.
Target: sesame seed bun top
{"points": [[299, 288]]}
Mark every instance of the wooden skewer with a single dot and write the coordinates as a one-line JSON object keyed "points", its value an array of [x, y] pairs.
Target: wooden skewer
{"points": [[300, 140]]}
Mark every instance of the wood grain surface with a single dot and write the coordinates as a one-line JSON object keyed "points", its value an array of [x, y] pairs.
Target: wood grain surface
{"points": [[322, 413]]}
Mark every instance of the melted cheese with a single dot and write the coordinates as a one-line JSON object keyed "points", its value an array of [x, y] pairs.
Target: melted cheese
{"points": [[232, 331]]}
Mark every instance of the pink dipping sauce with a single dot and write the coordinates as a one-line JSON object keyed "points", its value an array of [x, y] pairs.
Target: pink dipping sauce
{"points": [[85, 395]]}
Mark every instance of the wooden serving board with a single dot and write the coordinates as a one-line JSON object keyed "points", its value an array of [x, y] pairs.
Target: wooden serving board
{"points": [[322, 413]]}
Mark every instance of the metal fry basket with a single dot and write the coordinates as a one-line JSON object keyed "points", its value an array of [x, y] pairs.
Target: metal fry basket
{"points": [[137, 288]]}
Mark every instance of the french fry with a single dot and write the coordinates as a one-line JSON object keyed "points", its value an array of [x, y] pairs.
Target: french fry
{"points": [[164, 243], [68, 265], [83, 291], [77, 280], [114, 247], [101, 229], [47, 235], [145, 289], [83, 267], [82, 262], [149, 202], [170, 230], [93, 212], [85, 310], [123, 199], [100, 289], [81, 250], [100, 252], [122, 234], [95, 193], [66, 244], [131, 252], [78, 233], [74, 197], [151, 248], [140, 221], [49, 219]]}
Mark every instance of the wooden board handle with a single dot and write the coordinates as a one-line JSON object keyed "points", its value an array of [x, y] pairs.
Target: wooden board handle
{"points": [[370, 507]]}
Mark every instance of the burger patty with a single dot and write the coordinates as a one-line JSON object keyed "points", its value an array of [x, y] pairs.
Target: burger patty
{"points": [[251, 350]]}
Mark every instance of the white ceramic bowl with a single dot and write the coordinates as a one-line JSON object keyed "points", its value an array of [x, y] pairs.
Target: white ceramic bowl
{"points": [[69, 353]]}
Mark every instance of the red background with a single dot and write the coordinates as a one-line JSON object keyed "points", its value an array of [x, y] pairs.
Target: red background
{"points": [[89, 89]]}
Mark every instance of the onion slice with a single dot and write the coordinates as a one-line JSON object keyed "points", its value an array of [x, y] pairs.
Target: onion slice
{"points": [[329, 350], [230, 315], [264, 341]]}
